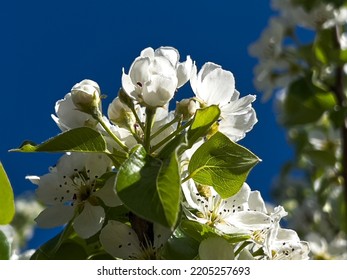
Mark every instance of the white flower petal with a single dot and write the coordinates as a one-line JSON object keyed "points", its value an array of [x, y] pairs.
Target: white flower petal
{"points": [[191, 193], [236, 126], [246, 221], [128, 85], [54, 189], [54, 216], [184, 71], [159, 91], [206, 69], [139, 71], [68, 117], [69, 163], [217, 87], [33, 179], [108, 193], [96, 165], [194, 79], [120, 240], [240, 106], [162, 66], [256, 202], [161, 235], [89, 221], [147, 52], [241, 196], [171, 54]]}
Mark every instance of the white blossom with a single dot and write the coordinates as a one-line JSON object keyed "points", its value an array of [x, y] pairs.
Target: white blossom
{"points": [[71, 192], [155, 75], [228, 215], [121, 241], [67, 117], [286, 245], [214, 86]]}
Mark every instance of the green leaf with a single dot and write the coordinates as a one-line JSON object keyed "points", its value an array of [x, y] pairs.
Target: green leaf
{"points": [[180, 247], [200, 232], [321, 158], [68, 250], [179, 143], [223, 164], [202, 122], [325, 48], [7, 208], [82, 139], [305, 103], [150, 187], [197, 231], [5, 248], [117, 157], [56, 249]]}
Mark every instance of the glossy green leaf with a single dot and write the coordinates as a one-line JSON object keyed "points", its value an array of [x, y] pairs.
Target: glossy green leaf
{"points": [[202, 122], [180, 247], [305, 103], [82, 139], [7, 208], [179, 143], [223, 164], [117, 157], [200, 232], [150, 187], [61, 248], [5, 248]]}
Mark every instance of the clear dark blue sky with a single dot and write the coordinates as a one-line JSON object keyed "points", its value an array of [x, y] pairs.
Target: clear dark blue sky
{"points": [[48, 46]]}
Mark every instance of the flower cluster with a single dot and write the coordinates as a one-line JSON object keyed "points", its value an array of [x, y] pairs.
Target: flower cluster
{"points": [[140, 177], [282, 51], [302, 60], [246, 213]]}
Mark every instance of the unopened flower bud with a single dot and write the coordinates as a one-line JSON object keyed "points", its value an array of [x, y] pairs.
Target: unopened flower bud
{"points": [[86, 96], [125, 98], [186, 108], [120, 114]]}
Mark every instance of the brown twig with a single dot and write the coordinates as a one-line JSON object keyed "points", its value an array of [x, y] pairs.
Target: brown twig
{"points": [[341, 99]]}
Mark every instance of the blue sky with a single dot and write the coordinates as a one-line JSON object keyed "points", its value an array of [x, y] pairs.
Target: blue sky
{"points": [[48, 46]]}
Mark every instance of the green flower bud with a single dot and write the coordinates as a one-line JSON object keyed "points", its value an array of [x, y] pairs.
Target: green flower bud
{"points": [[186, 108], [120, 114], [86, 96]]}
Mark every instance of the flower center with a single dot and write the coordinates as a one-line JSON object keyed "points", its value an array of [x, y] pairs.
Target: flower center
{"points": [[84, 186]]}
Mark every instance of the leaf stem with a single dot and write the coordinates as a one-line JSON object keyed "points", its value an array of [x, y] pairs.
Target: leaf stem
{"points": [[242, 246], [99, 118], [63, 236], [150, 114], [139, 122], [172, 135], [155, 134]]}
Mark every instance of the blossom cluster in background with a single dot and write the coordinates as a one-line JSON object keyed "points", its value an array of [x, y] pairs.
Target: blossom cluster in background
{"points": [[302, 62]]}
